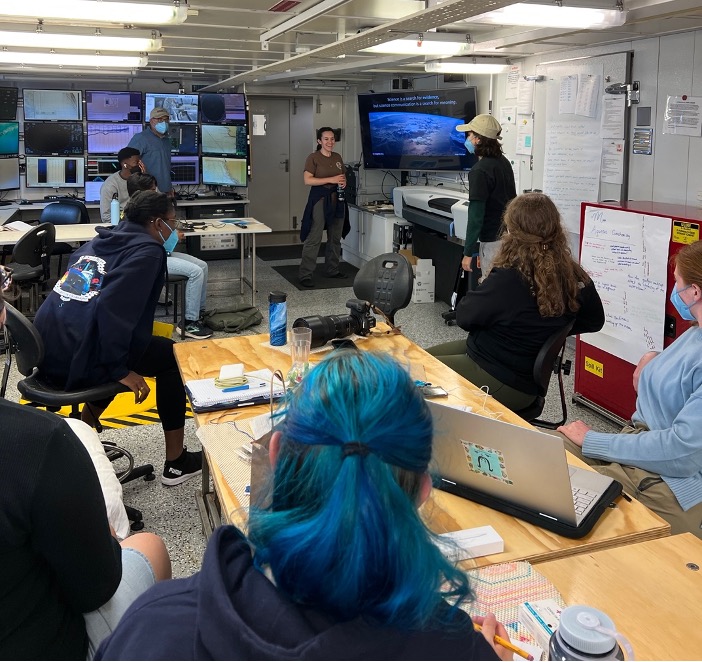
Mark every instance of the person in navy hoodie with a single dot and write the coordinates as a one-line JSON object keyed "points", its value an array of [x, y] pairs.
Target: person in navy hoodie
{"points": [[338, 565], [97, 323]]}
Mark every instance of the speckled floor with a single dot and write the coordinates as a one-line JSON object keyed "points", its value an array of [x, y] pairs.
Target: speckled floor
{"points": [[171, 512]]}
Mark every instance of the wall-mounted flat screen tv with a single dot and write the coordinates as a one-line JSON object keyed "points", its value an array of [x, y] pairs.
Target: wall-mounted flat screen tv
{"points": [[9, 174], [185, 170], [224, 171], [416, 130], [101, 167], [55, 172], [183, 139], [182, 108], [222, 108], [60, 138], [108, 106], [53, 105], [110, 138], [9, 138], [225, 140], [8, 103]]}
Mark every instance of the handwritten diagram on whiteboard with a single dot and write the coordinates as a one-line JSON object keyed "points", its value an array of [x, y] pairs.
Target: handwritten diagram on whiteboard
{"points": [[626, 255]]}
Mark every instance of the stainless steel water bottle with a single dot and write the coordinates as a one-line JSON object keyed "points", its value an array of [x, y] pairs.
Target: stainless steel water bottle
{"points": [[278, 318], [340, 193]]}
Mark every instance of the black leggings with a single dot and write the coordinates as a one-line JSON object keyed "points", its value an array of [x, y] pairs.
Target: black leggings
{"points": [[159, 361]]}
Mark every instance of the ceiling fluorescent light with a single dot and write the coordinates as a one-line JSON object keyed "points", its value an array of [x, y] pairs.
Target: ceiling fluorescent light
{"points": [[552, 16], [466, 66], [303, 17], [92, 61], [90, 42], [425, 44], [98, 11], [320, 85]]}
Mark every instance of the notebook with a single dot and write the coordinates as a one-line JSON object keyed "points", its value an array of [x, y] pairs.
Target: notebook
{"points": [[520, 471], [205, 396]]}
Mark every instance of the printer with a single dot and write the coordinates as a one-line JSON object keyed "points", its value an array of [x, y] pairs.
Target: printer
{"points": [[435, 208]]}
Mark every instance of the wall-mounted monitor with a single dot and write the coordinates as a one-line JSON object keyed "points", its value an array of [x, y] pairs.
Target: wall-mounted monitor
{"points": [[416, 130], [182, 108], [92, 190], [185, 170], [223, 171], [9, 174], [225, 140], [53, 105], [8, 103], [55, 172], [108, 106], [60, 138], [9, 138], [183, 139], [222, 108], [110, 138], [100, 167]]}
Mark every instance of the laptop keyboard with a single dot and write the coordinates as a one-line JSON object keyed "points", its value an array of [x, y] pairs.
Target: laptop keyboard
{"points": [[582, 499]]}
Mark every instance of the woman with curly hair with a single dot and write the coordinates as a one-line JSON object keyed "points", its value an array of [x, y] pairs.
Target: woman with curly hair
{"points": [[534, 289]]}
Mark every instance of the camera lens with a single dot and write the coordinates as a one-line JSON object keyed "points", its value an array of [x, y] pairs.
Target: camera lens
{"points": [[327, 327]]}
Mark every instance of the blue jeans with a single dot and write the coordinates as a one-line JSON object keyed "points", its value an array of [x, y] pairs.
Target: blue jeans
{"points": [[182, 264]]}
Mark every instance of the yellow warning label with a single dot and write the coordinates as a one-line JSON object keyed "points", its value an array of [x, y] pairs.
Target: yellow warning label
{"points": [[685, 233], [595, 367]]}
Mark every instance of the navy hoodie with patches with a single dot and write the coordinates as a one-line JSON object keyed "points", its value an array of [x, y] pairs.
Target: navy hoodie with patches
{"points": [[231, 611], [97, 322]]}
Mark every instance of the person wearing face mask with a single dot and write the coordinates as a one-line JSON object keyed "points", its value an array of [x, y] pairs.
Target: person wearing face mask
{"points": [[97, 322], [155, 149], [490, 187], [116, 183], [658, 458]]}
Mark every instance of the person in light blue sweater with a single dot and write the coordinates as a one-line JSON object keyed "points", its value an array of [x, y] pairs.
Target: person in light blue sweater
{"points": [[659, 458]]}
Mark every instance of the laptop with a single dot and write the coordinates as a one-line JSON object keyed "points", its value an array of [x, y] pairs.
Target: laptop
{"points": [[519, 471]]}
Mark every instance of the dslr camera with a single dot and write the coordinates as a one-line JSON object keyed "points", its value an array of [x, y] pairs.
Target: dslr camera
{"points": [[327, 327]]}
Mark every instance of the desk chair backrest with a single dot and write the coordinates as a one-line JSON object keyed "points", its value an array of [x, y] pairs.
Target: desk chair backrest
{"points": [[386, 281], [25, 341], [34, 248], [60, 213]]}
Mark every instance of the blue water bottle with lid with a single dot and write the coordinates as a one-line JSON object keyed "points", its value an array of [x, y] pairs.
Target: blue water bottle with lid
{"points": [[586, 633], [114, 210], [278, 318]]}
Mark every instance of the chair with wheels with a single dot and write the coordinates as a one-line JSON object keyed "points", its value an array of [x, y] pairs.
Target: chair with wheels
{"points": [[24, 341], [549, 362], [65, 212], [31, 260], [386, 281]]}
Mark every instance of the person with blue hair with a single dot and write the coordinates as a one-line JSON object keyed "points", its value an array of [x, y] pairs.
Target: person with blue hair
{"points": [[337, 563]]}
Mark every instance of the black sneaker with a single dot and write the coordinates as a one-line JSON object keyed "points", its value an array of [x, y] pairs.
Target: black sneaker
{"points": [[194, 330], [306, 282], [187, 466]]}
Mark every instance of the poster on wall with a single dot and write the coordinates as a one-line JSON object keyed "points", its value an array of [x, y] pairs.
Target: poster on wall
{"points": [[682, 116], [567, 93], [512, 81]]}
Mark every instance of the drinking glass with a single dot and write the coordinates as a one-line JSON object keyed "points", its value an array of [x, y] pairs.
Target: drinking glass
{"points": [[300, 343]]}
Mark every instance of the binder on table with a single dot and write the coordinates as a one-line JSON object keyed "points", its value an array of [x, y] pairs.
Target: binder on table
{"points": [[205, 396]]}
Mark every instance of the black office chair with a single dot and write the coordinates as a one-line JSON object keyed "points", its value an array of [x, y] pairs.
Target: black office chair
{"points": [[549, 362], [386, 281], [23, 340], [64, 212], [31, 259]]}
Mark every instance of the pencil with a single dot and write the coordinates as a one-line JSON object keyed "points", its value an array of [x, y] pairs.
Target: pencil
{"points": [[507, 644]]}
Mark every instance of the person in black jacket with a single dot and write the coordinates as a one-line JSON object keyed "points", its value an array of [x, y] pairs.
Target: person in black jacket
{"points": [[535, 288], [97, 323]]}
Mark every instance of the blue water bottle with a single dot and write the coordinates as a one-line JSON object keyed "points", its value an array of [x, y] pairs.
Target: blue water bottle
{"points": [[278, 318], [114, 210]]}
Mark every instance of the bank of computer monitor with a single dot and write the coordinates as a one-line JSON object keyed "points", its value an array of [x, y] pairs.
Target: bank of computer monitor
{"points": [[182, 108], [9, 174], [64, 105], [60, 138], [9, 138], [183, 139], [185, 170], [110, 106], [218, 171], [222, 108], [55, 172], [110, 138], [8, 103], [228, 140]]}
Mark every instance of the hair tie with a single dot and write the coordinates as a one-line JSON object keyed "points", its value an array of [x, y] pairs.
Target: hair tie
{"points": [[354, 448]]}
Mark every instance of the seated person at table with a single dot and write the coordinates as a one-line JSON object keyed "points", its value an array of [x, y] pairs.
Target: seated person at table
{"points": [[658, 459], [339, 565], [116, 183], [534, 289], [97, 323], [65, 578], [182, 264]]}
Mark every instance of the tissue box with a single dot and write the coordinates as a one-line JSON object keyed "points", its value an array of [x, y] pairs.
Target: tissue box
{"points": [[540, 618], [470, 543]]}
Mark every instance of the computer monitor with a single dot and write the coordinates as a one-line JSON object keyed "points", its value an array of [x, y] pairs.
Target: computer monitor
{"points": [[100, 167], [182, 108], [185, 170], [110, 138], [9, 138], [9, 174], [92, 190], [53, 105], [224, 171], [60, 138], [183, 139], [225, 140], [55, 172], [8, 103], [222, 108], [109, 106]]}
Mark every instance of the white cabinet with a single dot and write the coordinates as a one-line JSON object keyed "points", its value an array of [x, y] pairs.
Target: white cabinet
{"points": [[370, 235]]}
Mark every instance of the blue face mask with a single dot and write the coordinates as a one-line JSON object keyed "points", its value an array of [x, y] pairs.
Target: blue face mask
{"points": [[161, 127], [170, 243], [682, 308], [469, 146]]}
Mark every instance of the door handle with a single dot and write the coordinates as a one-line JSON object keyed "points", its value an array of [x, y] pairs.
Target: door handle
{"points": [[286, 164]]}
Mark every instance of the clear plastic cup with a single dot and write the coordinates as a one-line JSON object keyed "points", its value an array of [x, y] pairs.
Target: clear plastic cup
{"points": [[300, 343]]}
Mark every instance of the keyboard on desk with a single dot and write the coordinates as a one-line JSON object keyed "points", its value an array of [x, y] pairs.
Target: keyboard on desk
{"points": [[582, 500]]}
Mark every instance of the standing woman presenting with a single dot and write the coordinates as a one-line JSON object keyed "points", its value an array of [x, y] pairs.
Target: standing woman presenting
{"points": [[324, 172]]}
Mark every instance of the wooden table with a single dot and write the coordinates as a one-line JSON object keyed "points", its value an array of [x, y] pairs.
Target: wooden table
{"points": [[649, 590], [67, 233], [628, 522]]}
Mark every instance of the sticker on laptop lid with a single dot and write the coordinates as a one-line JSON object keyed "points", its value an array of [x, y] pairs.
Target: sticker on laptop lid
{"points": [[486, 461]]}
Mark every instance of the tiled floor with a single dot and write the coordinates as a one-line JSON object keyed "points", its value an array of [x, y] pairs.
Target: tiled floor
{"points": [[171, 512]]}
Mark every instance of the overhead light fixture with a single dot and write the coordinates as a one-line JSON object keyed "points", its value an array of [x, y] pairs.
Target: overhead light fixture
{"points": [[90, 42], [552, 16], [299, 19], [467, 65], [99, 11], [425, 44], [320, 85], [93, 61]]}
